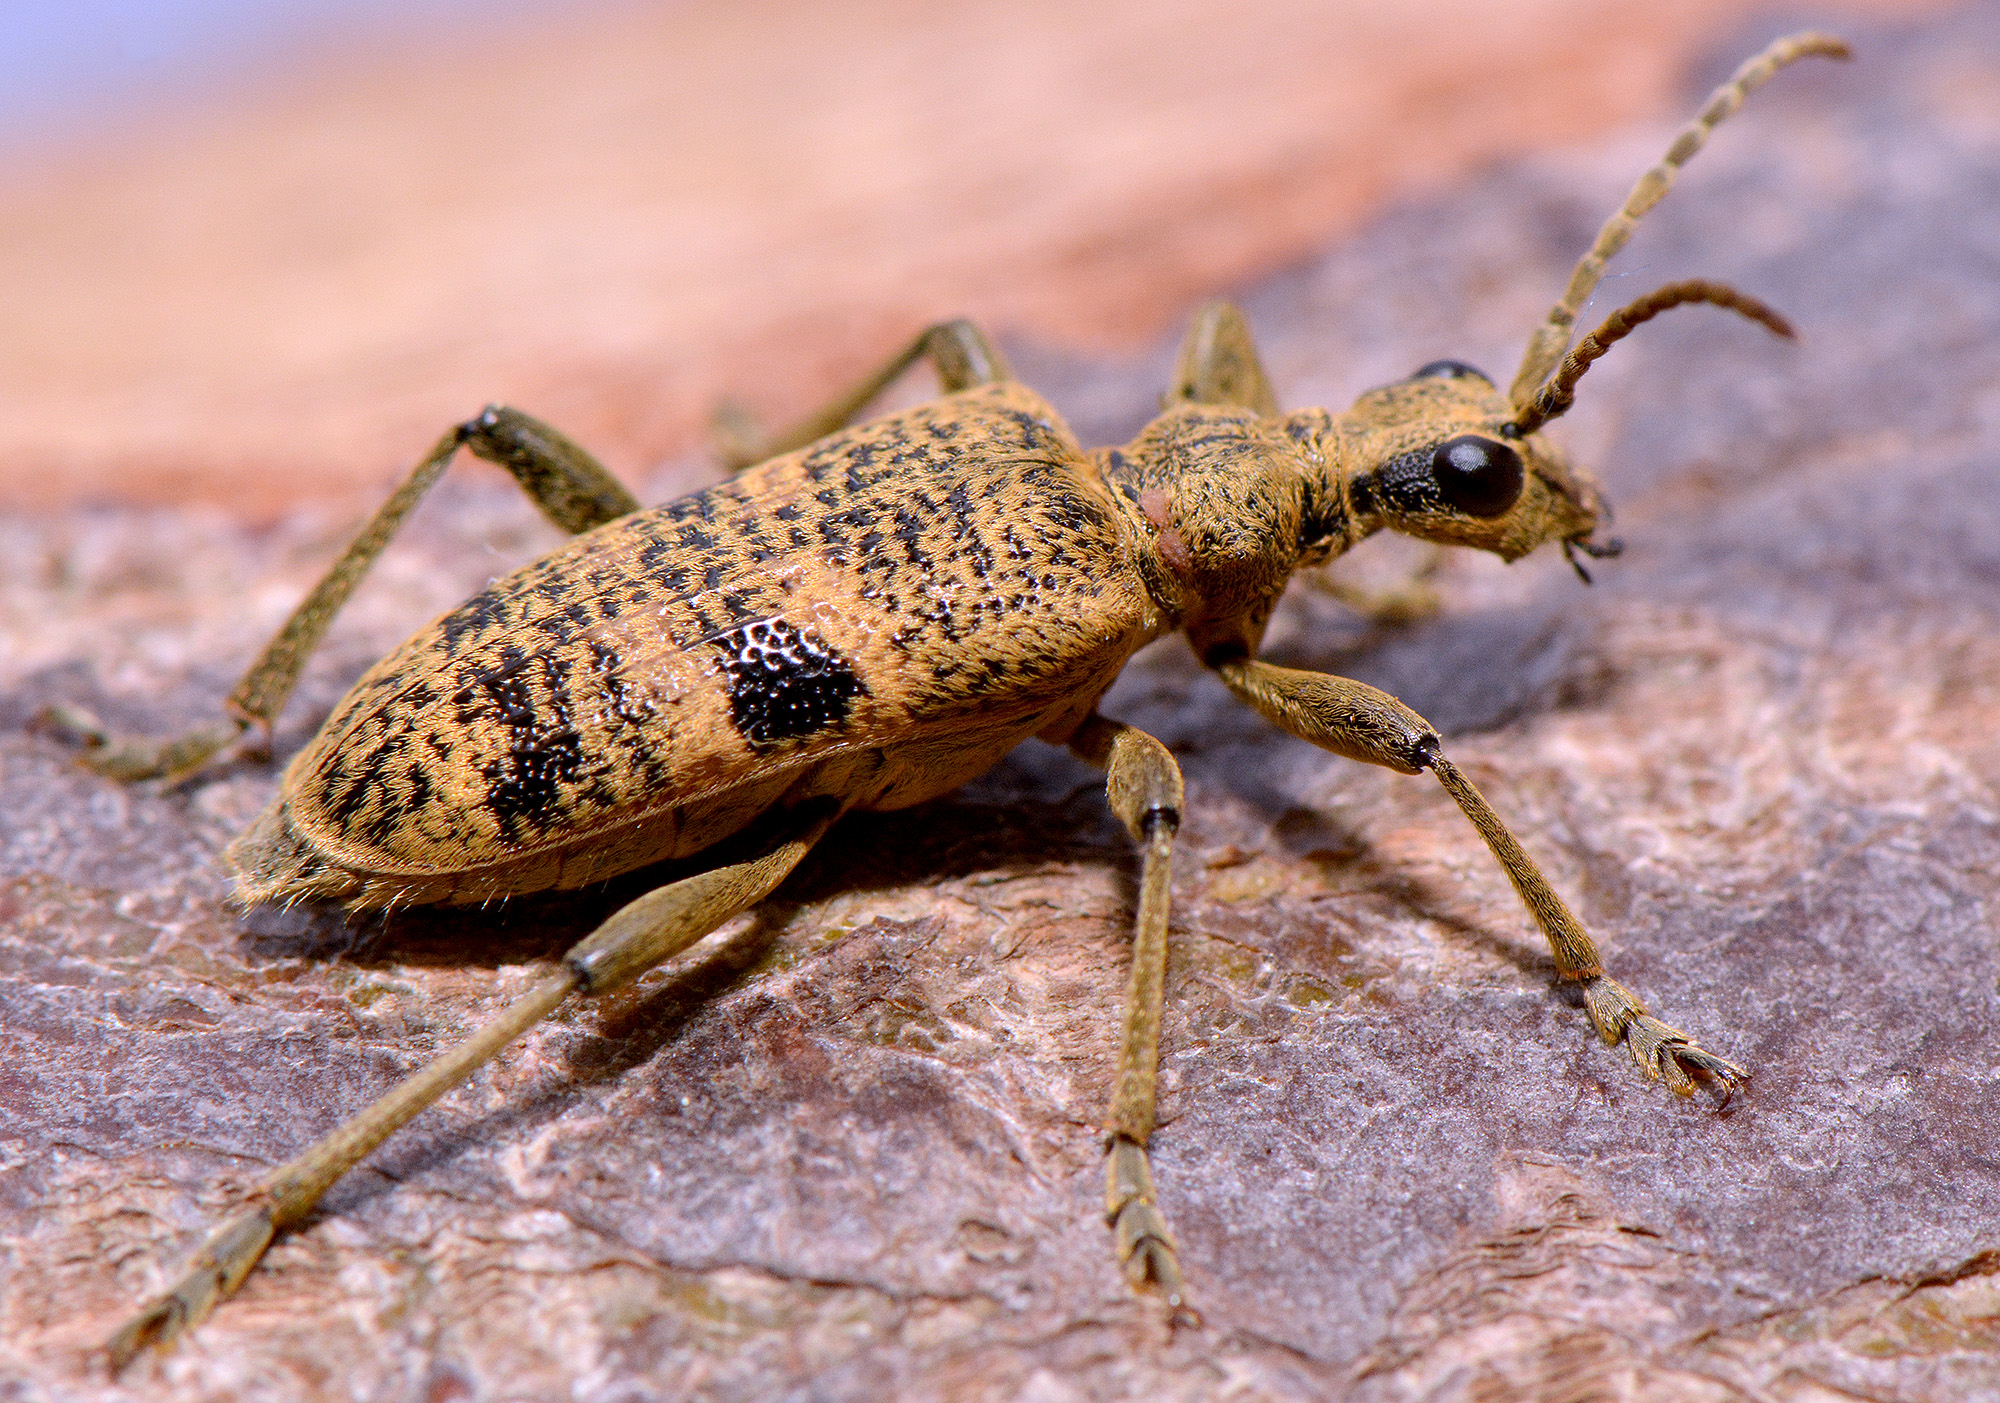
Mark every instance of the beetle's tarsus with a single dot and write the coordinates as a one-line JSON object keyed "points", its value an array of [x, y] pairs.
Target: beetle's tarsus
{"points": [[1145, 1247], [155, 1327], [1154, 1262], [1664, 1053], [131, 759], [1150, 1258], [224, 1260], [71, 724]]}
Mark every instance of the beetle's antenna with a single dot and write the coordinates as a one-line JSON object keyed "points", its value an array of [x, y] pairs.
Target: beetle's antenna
{"points": [[1545, 347], [1556, 397]]}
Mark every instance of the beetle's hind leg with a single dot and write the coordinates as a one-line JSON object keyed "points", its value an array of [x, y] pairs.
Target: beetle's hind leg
{"points": [[637, 936], [958, 351], [572, 489], [1144, 786], [1357, 721]]}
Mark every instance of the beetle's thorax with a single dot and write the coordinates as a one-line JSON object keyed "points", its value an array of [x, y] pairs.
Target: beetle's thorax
{"points": [[1225, 504]]}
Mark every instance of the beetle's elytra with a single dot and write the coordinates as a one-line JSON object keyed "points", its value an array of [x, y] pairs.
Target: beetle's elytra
{"points": [[865, 618], [843, 621]]}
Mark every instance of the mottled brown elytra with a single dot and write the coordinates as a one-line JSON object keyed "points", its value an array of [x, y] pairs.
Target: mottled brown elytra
{"points": [[866, 617]]}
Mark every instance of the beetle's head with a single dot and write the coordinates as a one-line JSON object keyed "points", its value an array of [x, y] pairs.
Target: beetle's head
{"points": [[1438, 456], [1445, 455]]}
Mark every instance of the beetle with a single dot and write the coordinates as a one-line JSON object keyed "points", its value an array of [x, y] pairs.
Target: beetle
{"points": [[865, 616]]}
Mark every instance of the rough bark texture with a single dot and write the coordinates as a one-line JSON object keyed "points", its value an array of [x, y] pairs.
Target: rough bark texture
{"points": [[848, 1151]]}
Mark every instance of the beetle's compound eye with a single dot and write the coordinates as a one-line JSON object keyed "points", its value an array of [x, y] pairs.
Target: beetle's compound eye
{"points": [[1449, 370], [1479, 476]]}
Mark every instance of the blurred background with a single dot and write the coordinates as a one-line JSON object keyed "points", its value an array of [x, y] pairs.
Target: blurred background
{"points": [[255, 252]]}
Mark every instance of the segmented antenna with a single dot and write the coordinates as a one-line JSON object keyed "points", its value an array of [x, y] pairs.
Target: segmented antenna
{"points": [[1556, 397], [1545, 347]]}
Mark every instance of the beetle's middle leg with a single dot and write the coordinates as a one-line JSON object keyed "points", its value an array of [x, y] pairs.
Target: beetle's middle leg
{"points": [[1355, 720], [572, 489], [958, 351], [1144, 786], [635, 938]]}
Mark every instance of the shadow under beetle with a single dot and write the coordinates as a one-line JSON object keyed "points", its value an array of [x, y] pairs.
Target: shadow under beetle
{"points": [[867, 617]]}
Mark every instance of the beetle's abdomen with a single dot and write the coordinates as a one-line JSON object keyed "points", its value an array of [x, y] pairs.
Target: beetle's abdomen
{"points": [[657, 683]]}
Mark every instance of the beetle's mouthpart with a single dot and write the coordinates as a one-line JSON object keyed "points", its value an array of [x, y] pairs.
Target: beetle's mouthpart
{"points": [[1553, 400], [1596, 550]]}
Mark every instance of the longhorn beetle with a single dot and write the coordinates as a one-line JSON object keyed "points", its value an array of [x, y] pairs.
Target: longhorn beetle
{"points": [[866, 617]]}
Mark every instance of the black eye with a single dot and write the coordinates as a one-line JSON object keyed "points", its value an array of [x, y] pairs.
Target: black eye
{"points": [[1477, 475], [1449, 369]]}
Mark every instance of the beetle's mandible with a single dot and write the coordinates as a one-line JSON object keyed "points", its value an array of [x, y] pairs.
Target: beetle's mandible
{"points": [[864, 617]]}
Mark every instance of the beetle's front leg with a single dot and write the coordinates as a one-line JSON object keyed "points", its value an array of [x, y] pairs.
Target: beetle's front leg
{"points": [[569, 486], [1144, 786], [1357, 721]]}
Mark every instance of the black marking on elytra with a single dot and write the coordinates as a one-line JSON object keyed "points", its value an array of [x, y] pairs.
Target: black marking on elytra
{"points": [[1305, 426], [609, 669], [656, 550], [1071, 513], [418, 792], [543, 751], [408, 793], [784, 683], [473, 619], [349, 786], [910, 528], [860, 458]]}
